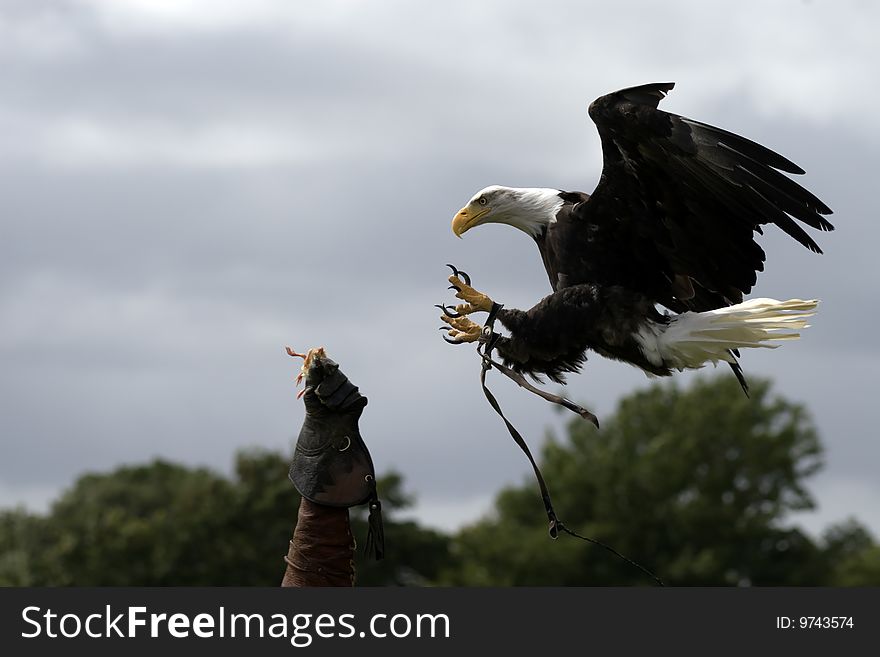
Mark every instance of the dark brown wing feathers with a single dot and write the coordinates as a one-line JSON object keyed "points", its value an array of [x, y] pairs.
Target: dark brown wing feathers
{"points": [[680, 201]]}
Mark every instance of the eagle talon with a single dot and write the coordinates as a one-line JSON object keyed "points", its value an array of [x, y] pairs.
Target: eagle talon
{"points": [[474, 301], [449, 330], [461, 329], [449, 311], [458, 273]]}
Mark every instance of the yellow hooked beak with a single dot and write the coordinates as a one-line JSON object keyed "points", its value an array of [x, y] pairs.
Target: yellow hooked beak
{"points": [[467, 218]]}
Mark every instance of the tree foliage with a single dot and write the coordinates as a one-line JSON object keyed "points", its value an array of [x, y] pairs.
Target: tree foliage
{"points": [[695, 484], [853, 557], [163, 524]]}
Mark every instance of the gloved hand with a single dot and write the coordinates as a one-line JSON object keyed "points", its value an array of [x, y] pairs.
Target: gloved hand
{"points": [[331, 464]]}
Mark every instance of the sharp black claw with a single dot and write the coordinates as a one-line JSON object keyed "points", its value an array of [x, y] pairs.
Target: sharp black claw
{"points": [[454, 287], [460, 274], [449, 311], [449, 340]]}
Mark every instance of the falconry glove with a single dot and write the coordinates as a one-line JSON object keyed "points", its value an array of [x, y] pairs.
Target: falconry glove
{"points": [[331, 463]]}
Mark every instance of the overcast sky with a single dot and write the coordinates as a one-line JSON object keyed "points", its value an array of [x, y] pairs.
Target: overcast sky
{"points": [[187, 186]]}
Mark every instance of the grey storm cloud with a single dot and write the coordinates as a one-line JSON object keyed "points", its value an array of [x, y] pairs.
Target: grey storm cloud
{"points": [[188, 186]]}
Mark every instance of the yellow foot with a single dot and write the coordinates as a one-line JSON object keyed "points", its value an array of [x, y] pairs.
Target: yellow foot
{"points": [[461, 329], [474, 301]]}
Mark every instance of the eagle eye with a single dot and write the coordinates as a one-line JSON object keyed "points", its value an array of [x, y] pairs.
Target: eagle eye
{"points": [[482, 200]]}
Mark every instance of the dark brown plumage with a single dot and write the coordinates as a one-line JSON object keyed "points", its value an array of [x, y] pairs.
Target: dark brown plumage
{"points": [[677, 207], [672, 222]]}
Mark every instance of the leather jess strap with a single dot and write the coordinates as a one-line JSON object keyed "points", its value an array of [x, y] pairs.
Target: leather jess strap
{"points": [[487, 344], [517, 437]]}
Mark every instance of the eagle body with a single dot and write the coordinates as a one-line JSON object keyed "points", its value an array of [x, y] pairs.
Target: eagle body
{"points": [[552, 337], [671, 223]]}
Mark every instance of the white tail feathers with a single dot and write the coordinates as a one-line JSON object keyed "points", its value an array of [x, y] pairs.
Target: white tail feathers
{"points": [[693, 339]]}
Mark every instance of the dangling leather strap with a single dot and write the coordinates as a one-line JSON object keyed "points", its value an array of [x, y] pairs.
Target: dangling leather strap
{"points": [[489, 339], [545, 493], [521, 381], [375, 545]]}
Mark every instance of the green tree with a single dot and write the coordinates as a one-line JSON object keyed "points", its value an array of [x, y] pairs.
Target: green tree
{"points": [[852, 555], [164, 524], [694, 484], [156, 524], [20, 533]]}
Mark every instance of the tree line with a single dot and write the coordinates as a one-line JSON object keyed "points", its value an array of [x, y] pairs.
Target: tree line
{"points": [[697, 484]]}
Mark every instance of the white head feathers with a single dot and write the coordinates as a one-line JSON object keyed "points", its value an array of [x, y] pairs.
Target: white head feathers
{"points": [[528, 208]]}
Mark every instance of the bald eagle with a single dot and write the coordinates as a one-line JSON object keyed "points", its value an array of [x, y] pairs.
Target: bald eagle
{"points": [[652, 267]]}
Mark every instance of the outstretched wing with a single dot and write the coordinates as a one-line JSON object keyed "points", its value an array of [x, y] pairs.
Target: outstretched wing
{"points": [[676, 210]]}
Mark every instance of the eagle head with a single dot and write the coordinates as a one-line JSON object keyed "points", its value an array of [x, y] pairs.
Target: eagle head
{"points": [[531, 209]]}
